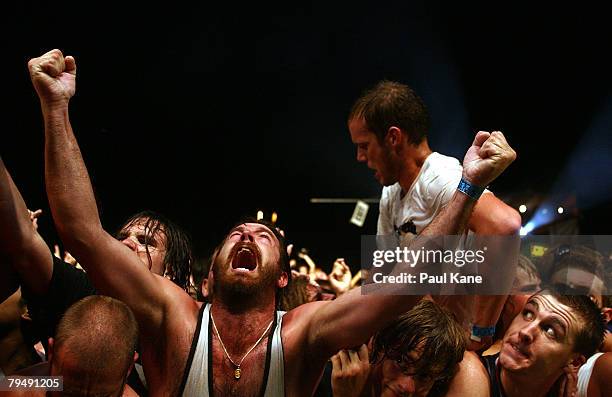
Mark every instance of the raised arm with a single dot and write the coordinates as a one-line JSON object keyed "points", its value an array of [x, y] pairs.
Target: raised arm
{"points": [[114, 269], [491, 216], [22, 250], [351, 319]]}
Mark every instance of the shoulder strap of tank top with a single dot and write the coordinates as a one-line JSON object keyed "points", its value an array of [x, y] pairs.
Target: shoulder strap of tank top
{"points": [[194, 344]]}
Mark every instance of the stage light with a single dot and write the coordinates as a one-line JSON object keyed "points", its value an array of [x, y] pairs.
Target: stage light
{"points": [[259, 215], [274, 217], [560, 210], [529, 226], [522, 208]]}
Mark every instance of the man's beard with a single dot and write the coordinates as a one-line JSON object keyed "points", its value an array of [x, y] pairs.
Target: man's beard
{"points": [[243, 291]]}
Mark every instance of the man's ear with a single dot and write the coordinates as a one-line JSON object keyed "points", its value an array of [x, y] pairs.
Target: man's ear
{"points": [[50, 350], [131, 367], [393, 137], [577, 361], [607, 314], [283, 280]]}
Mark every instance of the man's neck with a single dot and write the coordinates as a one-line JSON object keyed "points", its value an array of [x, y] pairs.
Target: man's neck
{"points": [[515, 385], [413, 159], [249, 323]]}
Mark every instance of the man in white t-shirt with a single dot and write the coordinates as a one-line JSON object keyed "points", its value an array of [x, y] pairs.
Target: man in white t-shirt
{"points": [[389, 125]]}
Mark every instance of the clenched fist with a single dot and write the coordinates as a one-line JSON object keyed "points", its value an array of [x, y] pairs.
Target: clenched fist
{"points": [[488, 157], [54, 77]]}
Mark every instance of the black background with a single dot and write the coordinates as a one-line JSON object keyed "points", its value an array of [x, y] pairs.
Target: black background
{"points": [[210, 112]]}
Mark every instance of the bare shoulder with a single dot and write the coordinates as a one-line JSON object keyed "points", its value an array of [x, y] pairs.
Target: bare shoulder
{"points": [[303, 364], [179, 307], [471, 380], [602, 372], [297, 322]]}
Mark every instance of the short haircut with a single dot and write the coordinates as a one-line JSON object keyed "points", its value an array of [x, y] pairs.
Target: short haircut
{"points": [[578, 256], [528, 267], [179, 255], [591, 328], [98, 334], [391, 104], [434, 330]]}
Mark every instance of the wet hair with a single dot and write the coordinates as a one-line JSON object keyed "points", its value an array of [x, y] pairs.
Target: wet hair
{"points": [[432, 329], [100, 334], [591, 324], [391, 104], [179, 255]]}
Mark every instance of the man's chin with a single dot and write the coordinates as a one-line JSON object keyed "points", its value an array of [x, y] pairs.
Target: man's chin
{"points": [[510, 362], [240, 290]]}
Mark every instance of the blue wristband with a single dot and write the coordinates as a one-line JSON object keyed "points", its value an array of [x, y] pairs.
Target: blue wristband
{"points": [[483, 331], [472, 191]]}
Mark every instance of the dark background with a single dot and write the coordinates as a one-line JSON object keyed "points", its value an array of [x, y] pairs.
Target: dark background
{"points": [[208, 113]]}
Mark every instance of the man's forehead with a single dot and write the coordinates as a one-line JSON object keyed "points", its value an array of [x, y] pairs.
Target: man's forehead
{"points": [[550, 304], [252, 226], [139, 226]]}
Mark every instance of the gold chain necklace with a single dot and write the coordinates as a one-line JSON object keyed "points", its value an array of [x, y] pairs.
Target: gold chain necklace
{"points": [[237, 370]]}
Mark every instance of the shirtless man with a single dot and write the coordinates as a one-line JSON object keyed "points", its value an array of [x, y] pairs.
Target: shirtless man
{"points": [[248, 270]]}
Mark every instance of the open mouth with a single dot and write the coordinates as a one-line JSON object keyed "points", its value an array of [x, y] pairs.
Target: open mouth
{"points": [[245, 257], [521, 352]]}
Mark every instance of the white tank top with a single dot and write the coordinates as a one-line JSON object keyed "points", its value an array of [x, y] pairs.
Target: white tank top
{"points": [[584, 375], [196, 379]]}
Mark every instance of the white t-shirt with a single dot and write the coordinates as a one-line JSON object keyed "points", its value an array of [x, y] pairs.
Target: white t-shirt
{"points": [[432, 189]]}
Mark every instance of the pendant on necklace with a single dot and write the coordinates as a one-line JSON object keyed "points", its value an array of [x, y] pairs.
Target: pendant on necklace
{"points": [[237, 373]]}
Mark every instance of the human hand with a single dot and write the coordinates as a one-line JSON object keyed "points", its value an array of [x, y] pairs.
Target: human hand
{"points": [[34, 217], [569, 381], [53, 77], [487, 158], [340, 277], [350, 371]]}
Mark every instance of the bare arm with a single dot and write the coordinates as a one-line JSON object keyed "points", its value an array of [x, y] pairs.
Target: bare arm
{"points": [[491, 217], [113, 268], [22, 250], [352, 318], [494, 217]]}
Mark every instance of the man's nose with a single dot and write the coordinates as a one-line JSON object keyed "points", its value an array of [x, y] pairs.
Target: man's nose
{"points": [[247, 236], [361, 157], [130, 243], [526, 334], [406, 384]]}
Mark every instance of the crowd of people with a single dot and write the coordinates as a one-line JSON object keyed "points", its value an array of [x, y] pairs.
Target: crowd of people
{"points": [[125, 314]]}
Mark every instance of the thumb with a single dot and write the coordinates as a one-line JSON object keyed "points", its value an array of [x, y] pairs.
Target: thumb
{"points": [[481, 138], [70, 65]]}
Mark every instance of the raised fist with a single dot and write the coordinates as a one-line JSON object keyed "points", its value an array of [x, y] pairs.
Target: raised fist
{"points": [[54, 77], [487, 158]]}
